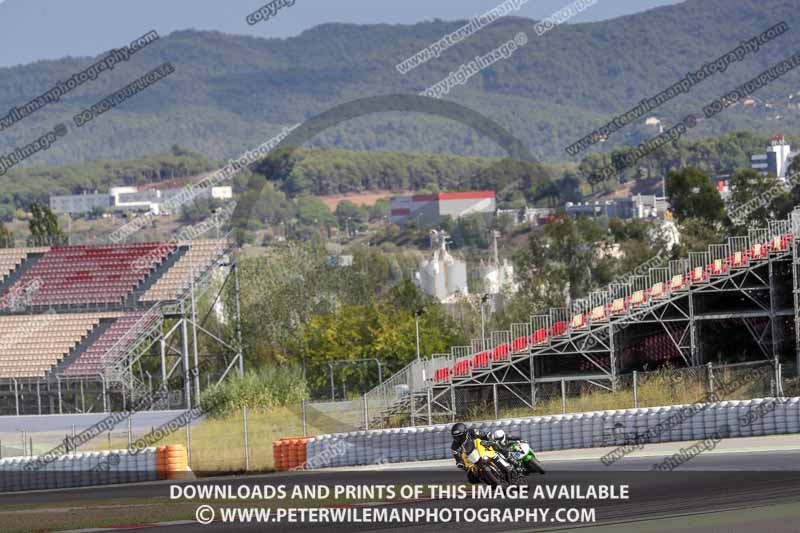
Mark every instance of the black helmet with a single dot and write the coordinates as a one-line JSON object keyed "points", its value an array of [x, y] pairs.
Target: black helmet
{"points": [[473, 433], [458, 431]]}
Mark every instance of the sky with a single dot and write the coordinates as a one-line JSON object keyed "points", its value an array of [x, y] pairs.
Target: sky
{"points": [[51, 29]]}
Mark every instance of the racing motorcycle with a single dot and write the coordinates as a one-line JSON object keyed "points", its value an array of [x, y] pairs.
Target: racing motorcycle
{"points": [[522, 456], [486, 464]]}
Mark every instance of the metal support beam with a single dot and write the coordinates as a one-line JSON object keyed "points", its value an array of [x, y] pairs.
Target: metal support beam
{"points": [[772, 320], [187, 383], [194, 331], [694, 356], [240, 353], [612, 356]]}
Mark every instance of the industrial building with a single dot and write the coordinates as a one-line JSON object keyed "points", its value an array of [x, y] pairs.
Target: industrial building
{"points": [[127, 199], [430, 209], [442, 276], [634, 207]]}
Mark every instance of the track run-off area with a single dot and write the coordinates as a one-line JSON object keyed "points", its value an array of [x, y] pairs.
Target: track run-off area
{"points": [[741, 485]]}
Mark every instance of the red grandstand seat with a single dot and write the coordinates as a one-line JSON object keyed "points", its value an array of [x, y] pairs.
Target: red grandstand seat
{"points": [[539, 336], [519, 344], [500, 353]]}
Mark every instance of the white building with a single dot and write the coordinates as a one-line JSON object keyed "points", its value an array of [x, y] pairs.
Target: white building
{"points": [[429, 209], [128, 198], [640, 206], [777, 159]]}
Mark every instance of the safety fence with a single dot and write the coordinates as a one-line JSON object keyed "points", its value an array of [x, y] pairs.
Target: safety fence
{"points": [[243, 441], [93, 468], [727, 419], [399, 406]]}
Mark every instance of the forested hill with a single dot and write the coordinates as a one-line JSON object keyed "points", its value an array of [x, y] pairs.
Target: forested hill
{"points": [[229, 93]]}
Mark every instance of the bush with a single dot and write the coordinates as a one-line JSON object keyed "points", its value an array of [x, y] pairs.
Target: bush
{"points": [[265, 388]]}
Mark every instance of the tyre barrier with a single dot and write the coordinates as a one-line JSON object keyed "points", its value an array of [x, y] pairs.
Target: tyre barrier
{"points": [[78, 470], [172, 462], [291, 453], [730, 419]]}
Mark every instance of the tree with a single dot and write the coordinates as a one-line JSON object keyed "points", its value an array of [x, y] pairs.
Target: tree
{"points": [[313, 211], [749, 185], [692, 195], [43, 226], [6, 238], [349, 215]]}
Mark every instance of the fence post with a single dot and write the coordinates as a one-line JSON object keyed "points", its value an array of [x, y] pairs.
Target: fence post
{"points": [[411, 403], [635, 389], [304, 416], [430, 406], [74, 440], [189, 444], [16, 395], [494, 401], [30, 444], [246, 441], [452, 403], [710, 379], [779, 380], [366, 413], [563, 396], [130, 431]]}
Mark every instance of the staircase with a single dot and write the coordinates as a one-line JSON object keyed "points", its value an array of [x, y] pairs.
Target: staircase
{"points": [[121, 357]]}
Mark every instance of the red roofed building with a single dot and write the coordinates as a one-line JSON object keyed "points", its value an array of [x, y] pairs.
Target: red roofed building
{"points": [[428, 209]]}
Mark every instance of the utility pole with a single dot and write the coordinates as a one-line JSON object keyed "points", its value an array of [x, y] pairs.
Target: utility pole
{"points": [[484, 299], [418, 313]]}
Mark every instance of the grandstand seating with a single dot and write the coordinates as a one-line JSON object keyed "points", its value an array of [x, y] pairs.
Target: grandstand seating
{"points": [[85, 274], [658, 348], [177, 280], [91, 361], [30, 345], [11, 258]]}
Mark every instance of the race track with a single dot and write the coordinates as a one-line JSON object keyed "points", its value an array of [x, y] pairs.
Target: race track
{"points": [[736, 490]]}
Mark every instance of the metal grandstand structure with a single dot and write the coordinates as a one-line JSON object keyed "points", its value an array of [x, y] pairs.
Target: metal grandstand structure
{"points": [[140, 351], [673, 313]]}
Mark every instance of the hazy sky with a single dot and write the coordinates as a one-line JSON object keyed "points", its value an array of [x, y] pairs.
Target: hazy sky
{"points": [[50, 29]]}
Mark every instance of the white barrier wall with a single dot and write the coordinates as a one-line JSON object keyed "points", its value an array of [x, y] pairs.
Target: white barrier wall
{"points": [[77, 470], [583, 430]]}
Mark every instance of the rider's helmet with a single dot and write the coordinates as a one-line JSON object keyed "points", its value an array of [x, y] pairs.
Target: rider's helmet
{"points": [[499, 436], [473, 433], [459, 432]]}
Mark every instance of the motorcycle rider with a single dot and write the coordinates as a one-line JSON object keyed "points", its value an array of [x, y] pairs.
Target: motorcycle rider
{"points": [[463, 439], [504, 442]]}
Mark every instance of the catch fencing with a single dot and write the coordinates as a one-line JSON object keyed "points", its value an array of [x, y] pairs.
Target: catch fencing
{"points": [[396, 403], [728, 419]]}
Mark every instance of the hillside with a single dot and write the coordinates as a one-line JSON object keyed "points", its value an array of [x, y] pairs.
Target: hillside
{"points": [[230, 93]]}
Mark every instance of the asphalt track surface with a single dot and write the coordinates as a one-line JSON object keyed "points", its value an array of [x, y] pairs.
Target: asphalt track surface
{"points": [[738, 490]]}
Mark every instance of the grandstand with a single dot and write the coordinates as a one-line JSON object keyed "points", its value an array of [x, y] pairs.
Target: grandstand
{"points": [[81, 326], [677, 314]]}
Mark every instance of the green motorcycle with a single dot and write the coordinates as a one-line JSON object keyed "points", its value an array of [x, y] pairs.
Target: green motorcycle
{"points": [[523, 455]]}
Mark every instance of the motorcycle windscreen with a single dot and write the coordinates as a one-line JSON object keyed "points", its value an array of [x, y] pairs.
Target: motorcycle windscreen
{"points": [[474, 456]]}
